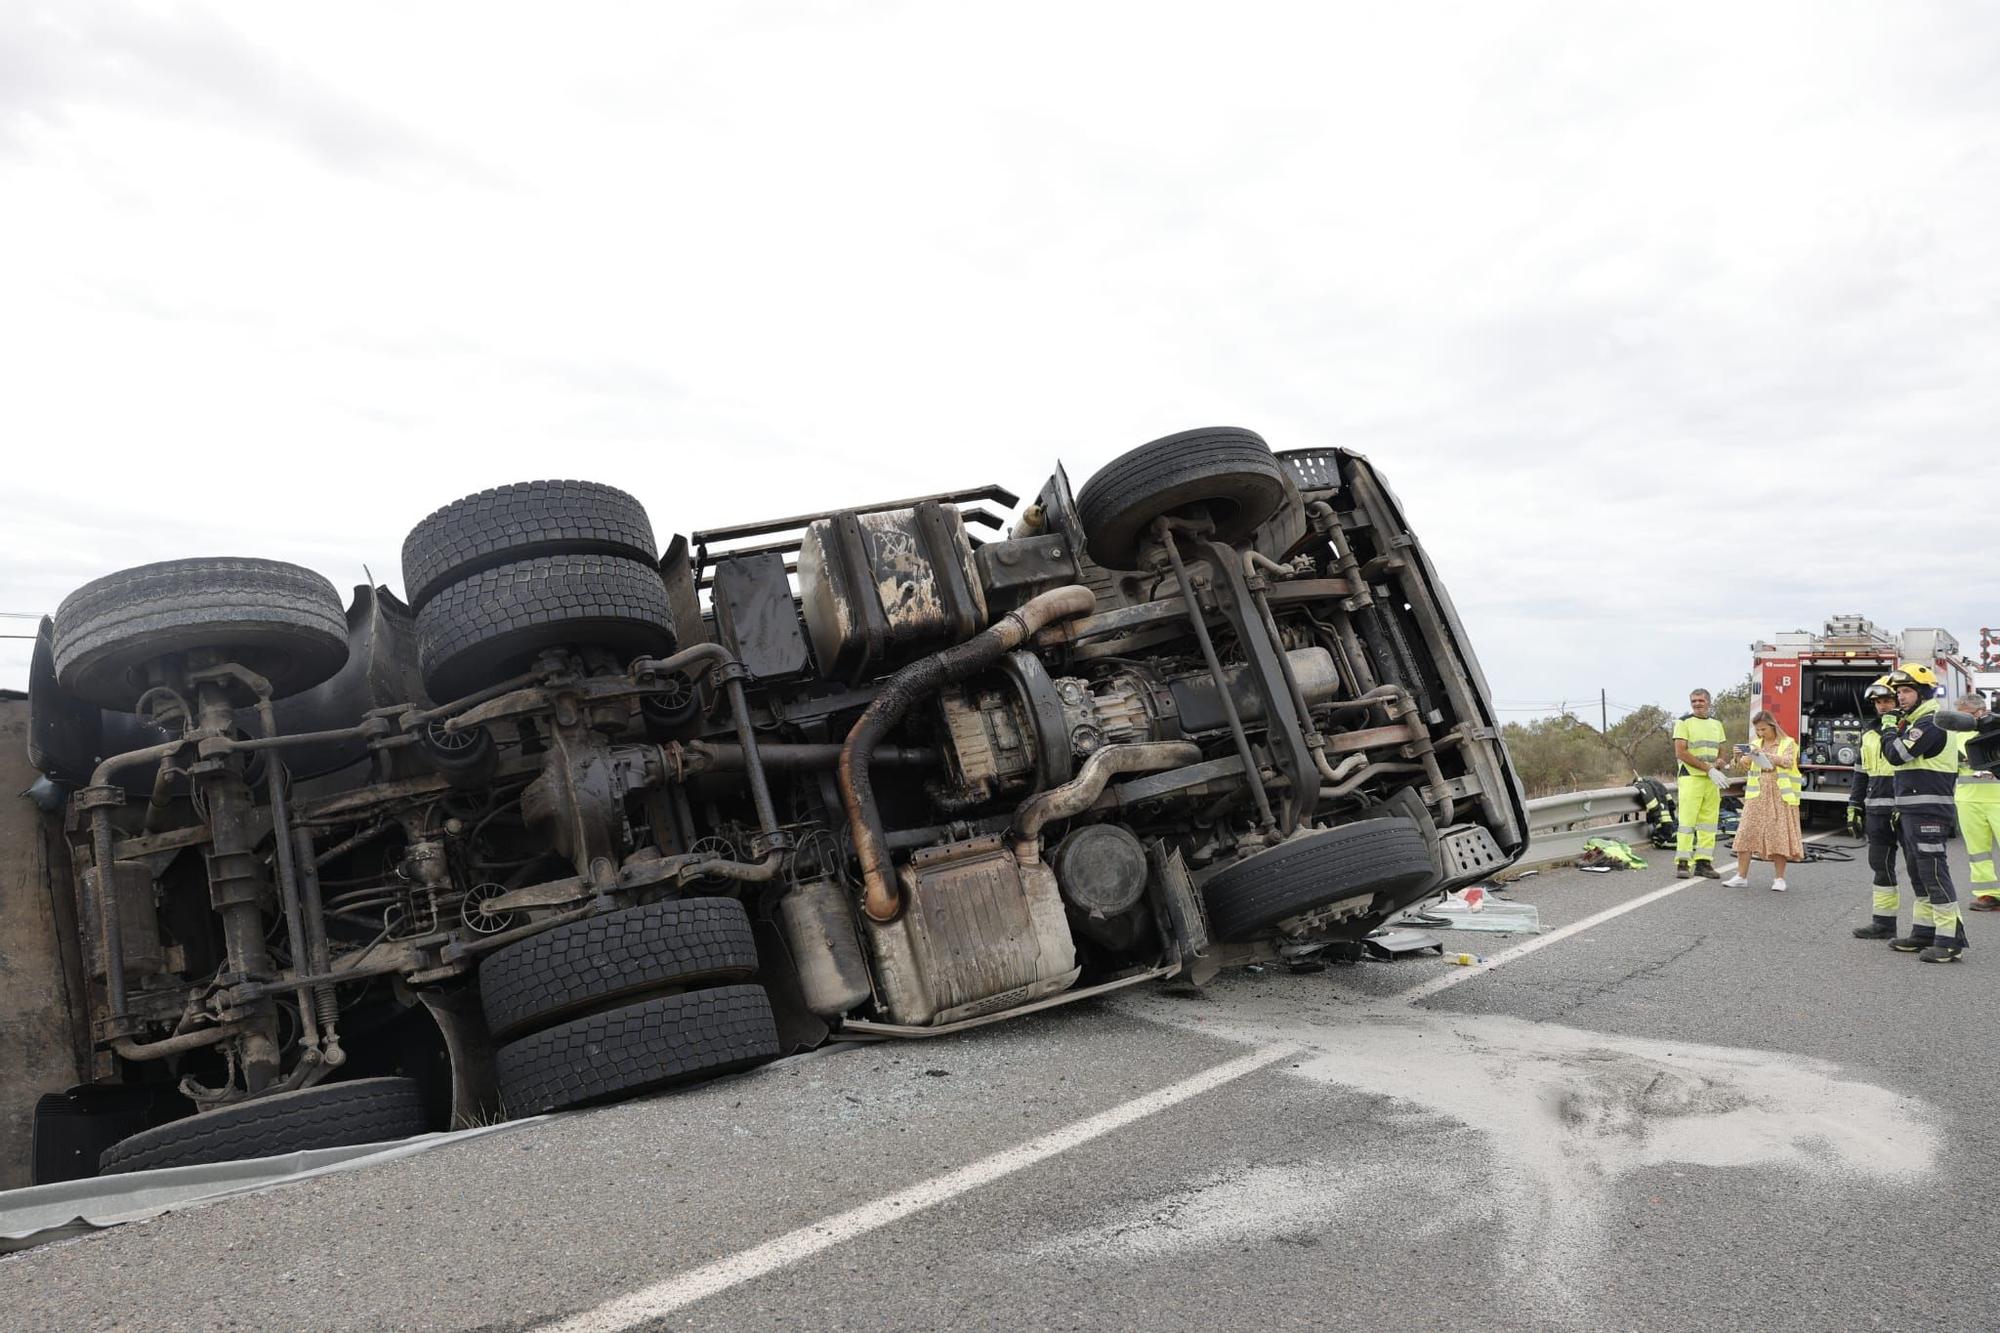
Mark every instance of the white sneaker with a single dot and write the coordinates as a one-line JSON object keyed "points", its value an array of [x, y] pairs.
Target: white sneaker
{"points": [[1777, 886], [1735, 882]]}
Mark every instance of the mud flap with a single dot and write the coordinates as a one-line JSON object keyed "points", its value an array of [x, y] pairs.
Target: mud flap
{"points": [[475, 1090]]}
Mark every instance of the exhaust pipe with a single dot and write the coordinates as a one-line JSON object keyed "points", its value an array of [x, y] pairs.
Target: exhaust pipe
{"points": [[880, 898]]}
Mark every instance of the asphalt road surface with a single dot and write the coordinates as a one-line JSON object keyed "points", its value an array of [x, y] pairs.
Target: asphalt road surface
{"points": [[1713, 1109]]}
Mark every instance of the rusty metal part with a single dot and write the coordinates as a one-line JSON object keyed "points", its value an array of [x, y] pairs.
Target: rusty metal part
{"points": [[98, 799], [319, 951], [1255, 565], [1120, 620], [636, 874], [1365, 774], [290, 904], [880, 589], [412, 721], [101, 776], [348, 844], [1082, 791], [575, 799], [162, 797], [543, 690], [236, 882], [179, 1044], [689, 758], [372, 727], [1266, 666], [818, 924], [732, 673], [983, 932], [773, 838], [1372, 738], [1198, 621], [880, 898]]}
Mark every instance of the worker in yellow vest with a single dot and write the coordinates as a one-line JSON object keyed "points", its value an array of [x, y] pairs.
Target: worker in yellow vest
{"points": [[1978, 801], [1871, 812], [1698, 740]]}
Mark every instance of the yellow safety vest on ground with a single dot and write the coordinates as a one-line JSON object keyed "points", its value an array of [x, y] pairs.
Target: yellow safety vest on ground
{"points": [[1790, 781]]}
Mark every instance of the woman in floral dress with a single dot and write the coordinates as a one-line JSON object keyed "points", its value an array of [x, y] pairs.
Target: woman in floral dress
{"points": [[1769, 829]]}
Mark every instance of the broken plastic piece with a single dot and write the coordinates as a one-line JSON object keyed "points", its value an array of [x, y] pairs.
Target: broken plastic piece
{"points": [[1497, 916], [1395, 943]]}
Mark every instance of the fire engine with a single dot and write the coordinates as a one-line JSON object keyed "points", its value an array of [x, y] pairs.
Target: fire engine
{"points": [[1812, 684]]}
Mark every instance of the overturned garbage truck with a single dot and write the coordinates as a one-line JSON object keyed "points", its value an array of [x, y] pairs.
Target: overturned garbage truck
{"points": [[587, 817]]}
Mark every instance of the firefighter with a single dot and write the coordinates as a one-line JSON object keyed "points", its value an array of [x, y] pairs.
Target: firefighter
{"points": [[1871, 812], [1698, 742], [1978, 802], [1926, 783]]}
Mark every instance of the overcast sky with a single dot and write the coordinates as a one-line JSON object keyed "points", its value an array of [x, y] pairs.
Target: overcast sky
{"points": [[1673, 326]]}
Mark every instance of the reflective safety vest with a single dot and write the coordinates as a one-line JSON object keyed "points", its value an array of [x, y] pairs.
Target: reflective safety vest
{"points": [[1786, 775], [1976, 786], [1872, 762], [1704, 736]]}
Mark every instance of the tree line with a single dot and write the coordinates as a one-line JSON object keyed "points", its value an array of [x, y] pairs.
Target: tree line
{"points": [[1564, 754]]}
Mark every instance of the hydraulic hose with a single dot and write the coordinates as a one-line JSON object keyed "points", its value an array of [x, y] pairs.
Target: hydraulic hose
{"points": [[915, 682]]}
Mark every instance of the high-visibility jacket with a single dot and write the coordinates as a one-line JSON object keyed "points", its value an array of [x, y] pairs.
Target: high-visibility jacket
{"points": [[1786, 773], [1872, 762], [1920, 752], [1874, 778], [1976, 786], [1704, 737]]}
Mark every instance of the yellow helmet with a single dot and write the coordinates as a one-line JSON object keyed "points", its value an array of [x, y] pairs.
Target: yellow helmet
{"points": [[1917, 675], [1879, 689]]}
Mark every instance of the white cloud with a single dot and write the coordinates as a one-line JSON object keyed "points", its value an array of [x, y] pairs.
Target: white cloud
{"points": [[1670, 326]]}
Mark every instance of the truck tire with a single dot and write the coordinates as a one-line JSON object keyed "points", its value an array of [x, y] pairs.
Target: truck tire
{"points": [[1229, 472], [651, 1044], [283, 622], [688, 941], [1312, 870], [517, 522], [332, 1115], [485, 628]]}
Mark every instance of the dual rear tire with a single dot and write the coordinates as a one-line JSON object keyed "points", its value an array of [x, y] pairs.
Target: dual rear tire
{"points": [[632, 1001], [498, 577]]}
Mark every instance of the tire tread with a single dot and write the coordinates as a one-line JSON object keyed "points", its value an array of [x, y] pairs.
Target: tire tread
{"points": [[622, 1051], [476, 630], [1371, 855], [504, 524], [332, 1115], [589, 962]]}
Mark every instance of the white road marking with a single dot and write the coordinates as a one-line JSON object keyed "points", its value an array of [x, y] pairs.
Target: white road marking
{"points": [[663, 1298], [1526, 947]]}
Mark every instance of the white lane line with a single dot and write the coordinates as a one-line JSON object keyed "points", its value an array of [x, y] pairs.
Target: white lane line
{"points": [[1526, 947], [663, 1298]]}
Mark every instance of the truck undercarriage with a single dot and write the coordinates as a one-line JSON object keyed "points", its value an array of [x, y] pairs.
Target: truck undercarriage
{"points": [[585, 818]]}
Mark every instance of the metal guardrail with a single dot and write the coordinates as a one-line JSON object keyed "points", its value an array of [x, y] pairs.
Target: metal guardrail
{"points": [[1558, 826]]}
